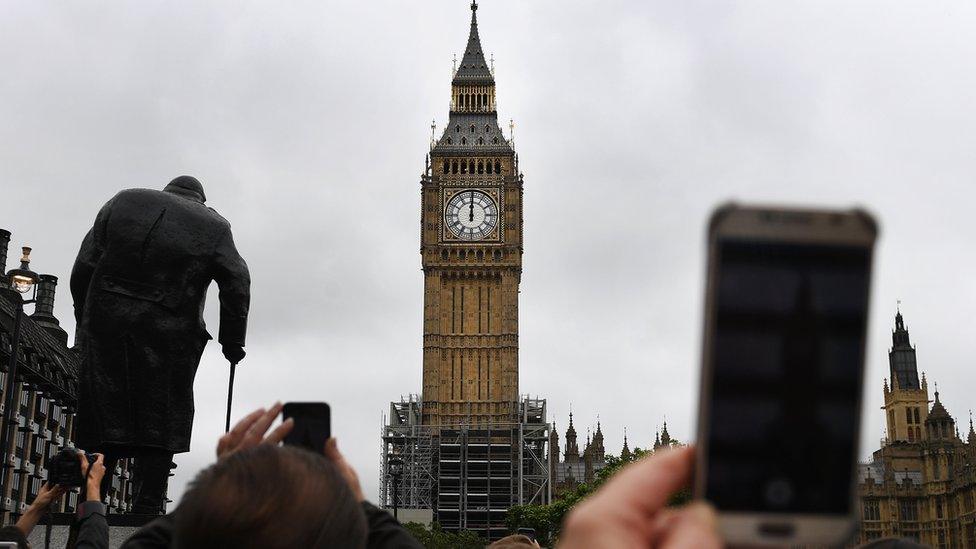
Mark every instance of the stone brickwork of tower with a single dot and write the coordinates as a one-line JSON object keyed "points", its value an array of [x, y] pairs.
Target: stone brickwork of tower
{"points": [[471, 250]]}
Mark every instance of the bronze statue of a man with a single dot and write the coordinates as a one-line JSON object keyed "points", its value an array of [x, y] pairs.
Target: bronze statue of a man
{"points": [[139, 285]]}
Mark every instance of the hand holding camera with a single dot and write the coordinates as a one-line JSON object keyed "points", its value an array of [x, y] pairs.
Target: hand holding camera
{"points": [[96, 470], [69, 467]]}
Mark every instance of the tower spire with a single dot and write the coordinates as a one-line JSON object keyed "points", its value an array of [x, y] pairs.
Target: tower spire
{"points": [[901, 357], [474, 69]]}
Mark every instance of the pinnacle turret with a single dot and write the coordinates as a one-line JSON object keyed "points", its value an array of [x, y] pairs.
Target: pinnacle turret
{"points": [[971, 439], [625, 453], [571, 455]]}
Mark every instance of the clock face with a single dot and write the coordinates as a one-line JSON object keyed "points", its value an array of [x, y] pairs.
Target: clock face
{"points": [[471, 215]]}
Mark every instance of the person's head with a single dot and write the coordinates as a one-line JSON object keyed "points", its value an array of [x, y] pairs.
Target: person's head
{"points": [[188, 186], [270, 497], [516, 541], [12, 533]]}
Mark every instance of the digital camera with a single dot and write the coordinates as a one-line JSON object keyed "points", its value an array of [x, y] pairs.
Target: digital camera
{"points": [[64, 468]]}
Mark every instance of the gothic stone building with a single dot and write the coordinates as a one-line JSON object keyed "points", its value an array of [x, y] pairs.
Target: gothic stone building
{"points": [[577, 467], [45, 395], [581, 467], [921, 483]]}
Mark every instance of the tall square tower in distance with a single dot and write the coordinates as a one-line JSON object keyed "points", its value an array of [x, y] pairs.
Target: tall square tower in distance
{"points": [[471, 249]]}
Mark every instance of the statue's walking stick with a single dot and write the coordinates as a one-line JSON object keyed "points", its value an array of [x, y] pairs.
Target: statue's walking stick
{"points": [[230, 393]]}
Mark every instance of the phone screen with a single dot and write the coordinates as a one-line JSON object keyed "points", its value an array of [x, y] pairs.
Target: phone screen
{"points": [[787, 361], [312, 424]]}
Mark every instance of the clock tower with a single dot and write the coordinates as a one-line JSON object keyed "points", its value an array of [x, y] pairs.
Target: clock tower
{"points": [[471, 251]]}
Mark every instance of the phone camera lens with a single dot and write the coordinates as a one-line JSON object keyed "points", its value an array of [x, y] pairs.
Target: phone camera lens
{"points": [[779, 492]]}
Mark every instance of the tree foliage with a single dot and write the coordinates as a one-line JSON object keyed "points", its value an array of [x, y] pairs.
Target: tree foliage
{"points": [[548, 519], [437, 538]]}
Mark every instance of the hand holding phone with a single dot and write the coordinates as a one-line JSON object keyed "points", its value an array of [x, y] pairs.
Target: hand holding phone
{"points": [[312, 424], [782, 371]]}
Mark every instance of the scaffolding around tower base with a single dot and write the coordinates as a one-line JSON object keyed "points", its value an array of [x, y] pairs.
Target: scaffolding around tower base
{"points": [[464, 476]]}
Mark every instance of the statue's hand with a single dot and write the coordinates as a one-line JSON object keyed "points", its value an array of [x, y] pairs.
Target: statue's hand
{"points": [[234, 353]]}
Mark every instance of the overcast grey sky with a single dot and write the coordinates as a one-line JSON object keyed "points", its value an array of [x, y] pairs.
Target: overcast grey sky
{"points": [[308, 123]]}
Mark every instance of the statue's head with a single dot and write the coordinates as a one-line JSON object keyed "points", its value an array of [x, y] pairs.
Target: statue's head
{"points": [[188, 186]]}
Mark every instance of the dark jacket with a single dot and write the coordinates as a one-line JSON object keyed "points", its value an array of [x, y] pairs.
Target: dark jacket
{"points": [[139, 286], [384, 532], [93, 533]]}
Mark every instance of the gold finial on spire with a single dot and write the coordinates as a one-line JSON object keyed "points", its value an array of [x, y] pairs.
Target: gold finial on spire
{"points": [[493, 64], [454, 65]]}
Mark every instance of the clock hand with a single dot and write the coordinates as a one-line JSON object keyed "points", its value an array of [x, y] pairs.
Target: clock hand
{"points": [[471, 210]]}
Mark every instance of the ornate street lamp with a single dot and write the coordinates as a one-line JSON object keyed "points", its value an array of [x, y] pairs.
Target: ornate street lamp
{"points": [[24, 282], [395, 469]]}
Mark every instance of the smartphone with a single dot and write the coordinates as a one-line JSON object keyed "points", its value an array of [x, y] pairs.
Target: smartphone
{"points": [[782, 372], [527, 532], [313, 424]]}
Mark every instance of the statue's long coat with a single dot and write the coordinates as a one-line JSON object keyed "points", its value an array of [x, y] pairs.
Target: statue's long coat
{"points": [[139, 286]]}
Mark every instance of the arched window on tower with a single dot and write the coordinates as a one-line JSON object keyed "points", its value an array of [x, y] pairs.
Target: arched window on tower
{"points": [[487, 128], [447, 166], [481, 166], [481, 140], [457, 128], [471, 166], [449, 142], [472, 128], [495, 140], [454, 166], [481, 255], [464, 141], [498, 167], [497, 254], [444, 255], [488, 166]]}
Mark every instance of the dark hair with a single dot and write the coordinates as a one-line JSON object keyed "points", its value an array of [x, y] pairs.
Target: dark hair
{"points": [[270, 497], [512, 542], [12, 533]]}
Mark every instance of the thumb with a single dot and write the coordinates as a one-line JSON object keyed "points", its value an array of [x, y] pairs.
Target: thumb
{"points": [[692, 526], [332, 450]]}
